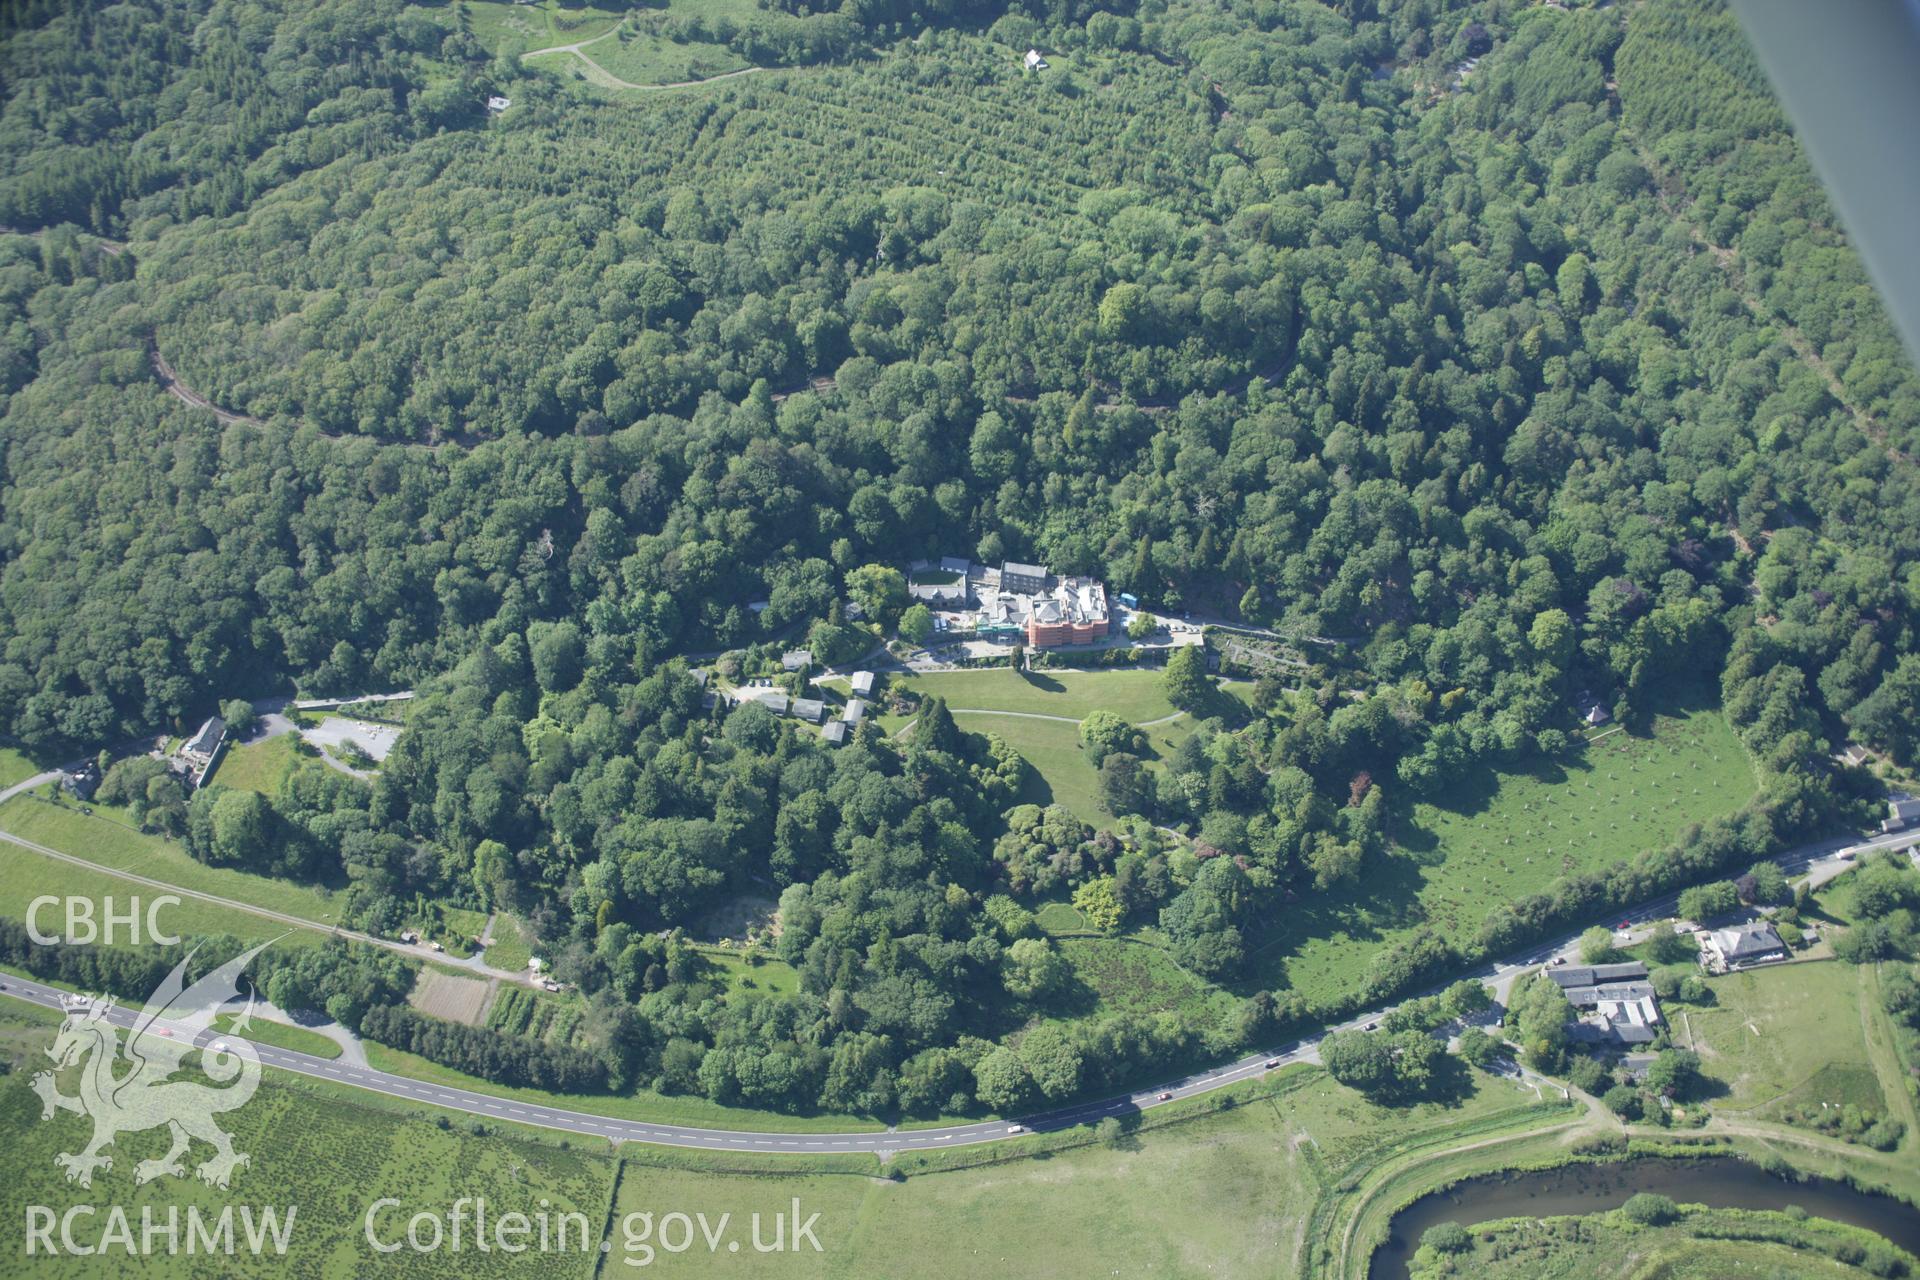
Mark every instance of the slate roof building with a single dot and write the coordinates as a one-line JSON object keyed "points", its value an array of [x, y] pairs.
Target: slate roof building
{"points": [[206, 740], [1902, 812], [1745, 945], [809, 709], [81, 783], [834, 732], [862, 683], [1615, 1003], [795, 659], [1023, 579], [947, 584]]}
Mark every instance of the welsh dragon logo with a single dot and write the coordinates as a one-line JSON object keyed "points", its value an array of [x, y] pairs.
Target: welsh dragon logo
{"points": [[146, 1096]]}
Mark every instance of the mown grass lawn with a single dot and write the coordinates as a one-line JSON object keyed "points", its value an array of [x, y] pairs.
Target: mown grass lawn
{"points": [[257, 766], [769, 977], [1504, 836], [1135, 696], [106, 840], [1060, 918], [1061, 772], [1005, 702]]}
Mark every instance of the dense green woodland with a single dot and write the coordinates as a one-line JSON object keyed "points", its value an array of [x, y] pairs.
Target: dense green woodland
{"points": [[1524, 386]]}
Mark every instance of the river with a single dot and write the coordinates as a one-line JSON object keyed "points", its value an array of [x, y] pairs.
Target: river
{"points": [[1592, 1188]]}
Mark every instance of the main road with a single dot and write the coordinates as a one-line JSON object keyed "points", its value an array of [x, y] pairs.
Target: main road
{"points": [[1820, 862]]}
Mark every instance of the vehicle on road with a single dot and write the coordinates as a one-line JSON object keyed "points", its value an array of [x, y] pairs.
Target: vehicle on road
{"points": [[218, 1046], [1016, 1128], [1166, 1095], [1272, 1063]]}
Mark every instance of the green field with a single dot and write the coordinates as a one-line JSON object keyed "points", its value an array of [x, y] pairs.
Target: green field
{"points": [[15, 767], [26, 875], [645, 58], [1785, 1034], [257, 766], [1197, 1192], [1509, 835], [620, 48], [106, 842], [1225, 1194], [327, 1153]]}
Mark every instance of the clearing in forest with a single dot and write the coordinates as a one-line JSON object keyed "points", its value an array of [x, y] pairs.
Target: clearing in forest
{"points": [[1504, 836]]}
